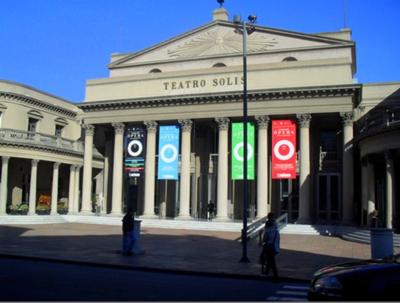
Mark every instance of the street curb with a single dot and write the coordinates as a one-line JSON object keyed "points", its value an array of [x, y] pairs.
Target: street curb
{"points": [[151, 269]]}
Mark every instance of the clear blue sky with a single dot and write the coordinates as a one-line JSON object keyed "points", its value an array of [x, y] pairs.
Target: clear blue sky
{"points": [[56, 45]]}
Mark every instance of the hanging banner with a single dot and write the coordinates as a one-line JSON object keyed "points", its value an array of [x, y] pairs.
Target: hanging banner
{"points": [[283, 149], [134, 151], [238, 151], [168, 152]]}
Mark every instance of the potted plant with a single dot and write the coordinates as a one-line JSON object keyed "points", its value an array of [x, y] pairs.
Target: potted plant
{"points": [[23, 209], [18, 209], [43, 209], [62, 208]]}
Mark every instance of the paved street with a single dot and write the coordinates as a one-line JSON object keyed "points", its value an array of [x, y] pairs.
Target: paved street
{"points": [[23, 280], [176, 250]]}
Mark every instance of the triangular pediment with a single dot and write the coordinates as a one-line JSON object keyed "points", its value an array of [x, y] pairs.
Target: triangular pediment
{"points": [[218, 39]]}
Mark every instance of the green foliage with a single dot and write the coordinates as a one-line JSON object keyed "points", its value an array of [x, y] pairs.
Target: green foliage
{"points": [[43, 208], [18, 209]]}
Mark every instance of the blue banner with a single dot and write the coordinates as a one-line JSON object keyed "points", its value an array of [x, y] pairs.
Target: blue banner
{"points": [[168, 152]]}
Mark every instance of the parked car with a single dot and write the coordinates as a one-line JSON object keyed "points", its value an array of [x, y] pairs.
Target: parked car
{"points": [[369, 280]]}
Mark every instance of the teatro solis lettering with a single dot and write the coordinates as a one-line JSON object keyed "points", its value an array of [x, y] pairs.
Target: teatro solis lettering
{"points": [[190, 84]]}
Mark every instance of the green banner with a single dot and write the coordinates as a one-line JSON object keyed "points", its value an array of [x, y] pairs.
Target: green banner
{"points": [[238, 151]]}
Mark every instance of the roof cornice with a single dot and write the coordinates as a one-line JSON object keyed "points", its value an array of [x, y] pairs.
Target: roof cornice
{"points": [[10, 96], [353, 90]]}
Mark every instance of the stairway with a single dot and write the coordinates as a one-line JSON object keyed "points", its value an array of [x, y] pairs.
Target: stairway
{"points": [[363, 236], [300, 229]]}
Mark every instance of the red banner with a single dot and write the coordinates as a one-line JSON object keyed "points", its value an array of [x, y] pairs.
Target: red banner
{"points": [[283, 149]]}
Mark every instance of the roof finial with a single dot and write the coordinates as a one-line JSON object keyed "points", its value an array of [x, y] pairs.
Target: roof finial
{"points": [[221, 3]]}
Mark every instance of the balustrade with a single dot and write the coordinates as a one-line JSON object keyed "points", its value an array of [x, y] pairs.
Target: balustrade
{"points": [[26, 137]]}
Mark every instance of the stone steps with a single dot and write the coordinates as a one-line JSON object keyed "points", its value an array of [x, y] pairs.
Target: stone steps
{"points": [[363, 236], [300, 229]]}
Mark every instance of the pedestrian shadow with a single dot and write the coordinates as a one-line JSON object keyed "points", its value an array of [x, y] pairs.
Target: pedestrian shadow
{"points": [[213, 252]]}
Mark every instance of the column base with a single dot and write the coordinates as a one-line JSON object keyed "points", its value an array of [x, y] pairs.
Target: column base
{"points": [[115, 214], [149, 216], [54, 214], [184, 217], [32, 214], [86, 213], [303, 221], [221, 219]]}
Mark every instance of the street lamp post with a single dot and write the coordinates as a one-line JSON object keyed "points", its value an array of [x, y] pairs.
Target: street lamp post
{"points": [[245, 29]]}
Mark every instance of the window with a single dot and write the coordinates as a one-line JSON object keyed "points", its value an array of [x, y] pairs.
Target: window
{"points": [[33, 125], [155, 70], [59, 130], [289, 59], [219, 65]]}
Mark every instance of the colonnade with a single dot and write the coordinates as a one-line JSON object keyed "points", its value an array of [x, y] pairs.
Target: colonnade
{"points": [[263, 203], [368, 193], [73, 195]]}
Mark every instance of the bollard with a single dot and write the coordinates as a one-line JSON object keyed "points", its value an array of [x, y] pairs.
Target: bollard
{"points": [[381, 243], [136, 232]]}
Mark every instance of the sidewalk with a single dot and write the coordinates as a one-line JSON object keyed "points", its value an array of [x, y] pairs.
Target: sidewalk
{"points": [[213, 252]]}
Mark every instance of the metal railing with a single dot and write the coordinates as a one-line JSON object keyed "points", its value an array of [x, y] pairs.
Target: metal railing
{"points": [[379, 119], [256, 229]]}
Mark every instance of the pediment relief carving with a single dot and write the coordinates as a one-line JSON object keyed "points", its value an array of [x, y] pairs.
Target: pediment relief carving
{"points": [[221, 41]]}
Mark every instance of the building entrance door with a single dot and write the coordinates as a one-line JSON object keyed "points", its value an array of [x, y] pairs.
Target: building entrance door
{"points": [[329, 190], [289, 198]]}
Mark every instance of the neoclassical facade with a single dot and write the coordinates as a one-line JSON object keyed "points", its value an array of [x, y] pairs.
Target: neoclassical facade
{"points": [[195, 81]]}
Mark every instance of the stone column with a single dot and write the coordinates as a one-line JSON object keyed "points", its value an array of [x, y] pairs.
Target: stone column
{"points": [[33, 187], [71, 191], [150, 166], [4, 185], [222, 182], [364, 190], [75, 208], [184, 194], [389, 189], [347, 168], [106, 180], [371, 190], [103, 210], [263, 206], [87, 170], [54, 189], [305, 177], [116, 207]]}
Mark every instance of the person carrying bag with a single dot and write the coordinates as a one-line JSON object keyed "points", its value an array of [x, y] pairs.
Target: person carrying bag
{"points": [[271, 246]]}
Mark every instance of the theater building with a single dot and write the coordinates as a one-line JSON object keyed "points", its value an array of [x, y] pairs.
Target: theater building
{"points": [[345, 164]]}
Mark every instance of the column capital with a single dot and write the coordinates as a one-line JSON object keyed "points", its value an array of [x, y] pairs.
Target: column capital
{"points": [[347, 118], [186, 125], [304, 120], [72, 167], [262, 121], [151, 126], [56, 165], [35, 162], [223, 123], [89, 129], [118, 128], [5, 158]]}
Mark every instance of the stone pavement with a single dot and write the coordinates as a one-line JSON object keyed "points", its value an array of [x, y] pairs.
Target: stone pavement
{"points": [[175, 250]]}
